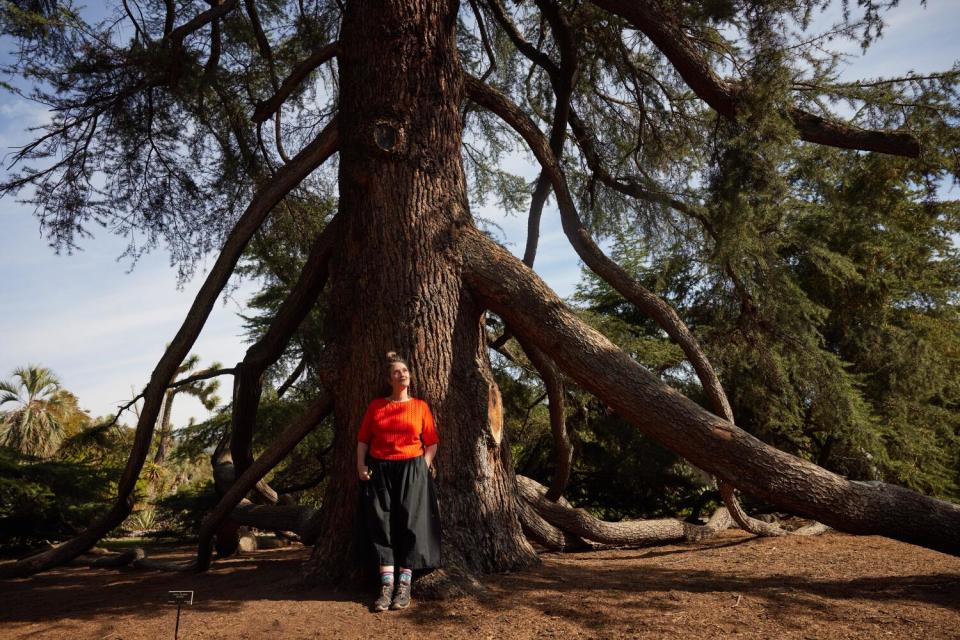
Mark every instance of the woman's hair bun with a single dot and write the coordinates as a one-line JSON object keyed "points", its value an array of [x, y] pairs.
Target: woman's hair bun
{"points": [[393, 358]]}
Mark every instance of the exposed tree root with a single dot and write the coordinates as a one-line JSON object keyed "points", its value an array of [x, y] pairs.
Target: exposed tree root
{"points": [[579, 523], [452, 581]]}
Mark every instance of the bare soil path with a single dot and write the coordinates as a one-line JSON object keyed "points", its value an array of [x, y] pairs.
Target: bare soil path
{"points": [[834, 586]]}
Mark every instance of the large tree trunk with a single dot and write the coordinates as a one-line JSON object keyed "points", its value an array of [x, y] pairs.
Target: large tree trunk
{"points": [[397, 285]]}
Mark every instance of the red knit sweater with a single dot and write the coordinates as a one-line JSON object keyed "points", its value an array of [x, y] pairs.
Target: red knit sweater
{"points": [[397, 430]]}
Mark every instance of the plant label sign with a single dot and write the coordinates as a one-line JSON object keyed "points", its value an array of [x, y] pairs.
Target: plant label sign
{"points": [[181, 597]]}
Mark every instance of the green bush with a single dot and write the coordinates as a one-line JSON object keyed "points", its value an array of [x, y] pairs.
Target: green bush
{"points": [[43, 502], [182, 512]]}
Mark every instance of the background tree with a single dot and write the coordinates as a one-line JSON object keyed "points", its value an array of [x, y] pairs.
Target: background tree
{"points": [[40, 413], [202, 390], [196, 122]]}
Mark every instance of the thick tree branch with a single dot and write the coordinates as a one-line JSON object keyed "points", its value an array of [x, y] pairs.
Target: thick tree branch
{"points": [[484, 39], [515, 293], [176, 37], [270, 458], [645, 300], [544, 533], [169, 17], [579, 523], [664, 30], [563, 80], [629, 187], [287, 179], [648, 302], [526, 48], [263, 44], [271, 517], [297, 372]]}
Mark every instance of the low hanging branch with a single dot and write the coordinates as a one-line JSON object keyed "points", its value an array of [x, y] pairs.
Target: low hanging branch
{"points": [[511, 290], [309, 158], [645, 300], [270, 458], [233, 506], [663, 28], [543, 533]]}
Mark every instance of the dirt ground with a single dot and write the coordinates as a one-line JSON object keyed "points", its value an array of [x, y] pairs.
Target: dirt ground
{"points": [[834, 586]]}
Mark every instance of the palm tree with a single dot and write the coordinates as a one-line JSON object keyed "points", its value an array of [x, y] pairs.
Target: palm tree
{"points": [[202, 390], [35, 426]]}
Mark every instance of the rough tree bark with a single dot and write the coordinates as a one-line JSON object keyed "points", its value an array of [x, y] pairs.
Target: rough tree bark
{"points": [[396, 284]]}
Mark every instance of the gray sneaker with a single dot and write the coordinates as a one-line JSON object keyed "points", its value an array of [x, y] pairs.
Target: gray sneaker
{"points": [[383, 602], [401, 598]]}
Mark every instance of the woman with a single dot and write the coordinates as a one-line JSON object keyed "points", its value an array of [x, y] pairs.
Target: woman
{"points": [[396, 447]]}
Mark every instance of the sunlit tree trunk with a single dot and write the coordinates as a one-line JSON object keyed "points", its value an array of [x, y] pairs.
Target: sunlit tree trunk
{"points": [[397, 284]]}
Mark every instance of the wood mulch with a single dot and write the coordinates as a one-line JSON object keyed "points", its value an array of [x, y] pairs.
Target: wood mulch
{"points": [[832, 586]]}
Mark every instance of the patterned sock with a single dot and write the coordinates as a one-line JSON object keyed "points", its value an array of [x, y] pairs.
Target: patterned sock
{"points": [[386, 577], [406, 575]]}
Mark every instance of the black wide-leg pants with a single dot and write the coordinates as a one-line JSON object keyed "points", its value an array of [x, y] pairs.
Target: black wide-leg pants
{"points": [[401, 513]]}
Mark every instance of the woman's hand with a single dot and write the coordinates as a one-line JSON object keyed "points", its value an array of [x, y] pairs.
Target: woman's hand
{"points": [[428, 456], [363, 472]]}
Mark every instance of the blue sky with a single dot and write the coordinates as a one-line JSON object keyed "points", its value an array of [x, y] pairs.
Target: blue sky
{"points": [[102, 327]]}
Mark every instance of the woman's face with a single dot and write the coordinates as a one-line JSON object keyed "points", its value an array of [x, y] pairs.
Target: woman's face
{"points": [[399, 376]]}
